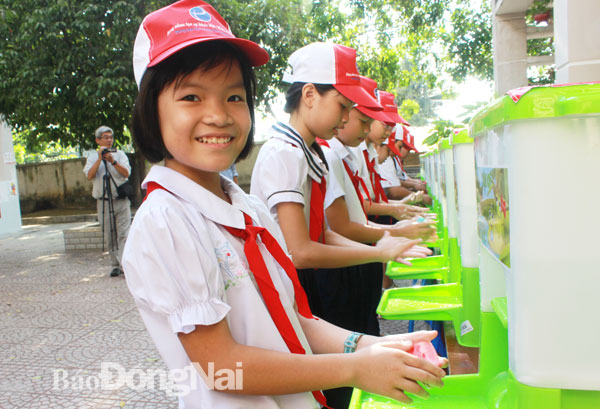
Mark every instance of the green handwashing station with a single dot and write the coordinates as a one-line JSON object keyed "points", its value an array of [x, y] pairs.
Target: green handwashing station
{"points": [[457, 298], [537, 157]]}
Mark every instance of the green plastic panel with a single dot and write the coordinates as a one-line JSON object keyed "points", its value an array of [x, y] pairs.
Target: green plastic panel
{"points": [[444, 144], [432, 302], [500, 308], [539, 102], [461, 137]]}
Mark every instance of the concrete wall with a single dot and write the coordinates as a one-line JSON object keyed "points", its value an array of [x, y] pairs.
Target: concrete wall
{"points": [[62, 184], [53, 184]]}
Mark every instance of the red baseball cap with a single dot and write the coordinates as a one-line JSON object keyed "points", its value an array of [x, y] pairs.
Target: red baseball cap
{"points": [[391, 143], [370, 86], [179, 25], [386, 99], [328, 63], [406, 142], [412, 142]]}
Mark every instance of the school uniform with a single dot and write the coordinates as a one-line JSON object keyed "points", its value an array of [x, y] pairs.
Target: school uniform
{"points": [[184, 268], [364, 291], [388, 173], [287, 170], [363, 170], [363, 153]]}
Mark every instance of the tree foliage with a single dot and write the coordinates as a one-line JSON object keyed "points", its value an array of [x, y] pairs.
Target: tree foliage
{"points": [[66, 65]]}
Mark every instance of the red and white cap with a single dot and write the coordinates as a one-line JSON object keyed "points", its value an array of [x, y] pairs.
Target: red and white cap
{"points": [[390, 142], [412, 142], [386, 99], [370, 86], [328, 63], [408, 140], [179, 25]]}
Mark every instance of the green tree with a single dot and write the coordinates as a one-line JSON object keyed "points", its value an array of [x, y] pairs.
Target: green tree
{"points": [[66, 65]]}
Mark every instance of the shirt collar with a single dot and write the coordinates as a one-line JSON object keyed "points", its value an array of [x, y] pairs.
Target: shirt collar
{"points": [[370, 148], [287, 133], [207, 203], [344, 153]]}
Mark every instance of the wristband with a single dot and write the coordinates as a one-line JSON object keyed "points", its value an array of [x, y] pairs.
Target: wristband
{"points": [[114, 163], [351, 341]]}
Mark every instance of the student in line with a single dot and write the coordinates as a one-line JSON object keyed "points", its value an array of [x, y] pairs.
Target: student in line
{"points": [[378, 207], [396, 183], [205, 263]]}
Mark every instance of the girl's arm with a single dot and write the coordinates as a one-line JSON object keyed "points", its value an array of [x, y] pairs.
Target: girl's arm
{"points": [[309, 254], [384, 368], [339, 221], [397, 210]]}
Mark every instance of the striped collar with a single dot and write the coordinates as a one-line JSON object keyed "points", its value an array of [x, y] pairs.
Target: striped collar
{"points": [[285, 132]]}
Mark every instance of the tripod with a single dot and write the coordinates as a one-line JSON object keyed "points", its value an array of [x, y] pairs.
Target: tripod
{"points": [[107, 197]]}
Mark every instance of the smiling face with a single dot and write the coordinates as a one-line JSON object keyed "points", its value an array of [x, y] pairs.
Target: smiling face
{"points": [[379, 132], [328, 112], [356, 129], [204, 120]]}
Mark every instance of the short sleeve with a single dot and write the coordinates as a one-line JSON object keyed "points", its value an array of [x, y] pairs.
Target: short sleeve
{"points": [[171, 270], [279, 175], [335, 178], [123, 160], [89, 162]]}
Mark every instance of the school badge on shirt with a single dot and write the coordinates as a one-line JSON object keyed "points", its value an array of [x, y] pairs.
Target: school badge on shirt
{"points": [[229, 264]]}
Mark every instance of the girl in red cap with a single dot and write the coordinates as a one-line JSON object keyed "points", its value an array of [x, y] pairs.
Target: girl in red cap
{"points": [[205, 263], [292, 178]]}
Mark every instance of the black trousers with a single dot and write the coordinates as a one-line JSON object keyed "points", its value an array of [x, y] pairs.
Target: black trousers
{"points": [[347, 297]]}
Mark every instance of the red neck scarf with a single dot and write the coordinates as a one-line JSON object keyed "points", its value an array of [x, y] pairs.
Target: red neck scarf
{"points": [[375, 179], [357, 182], [265, 284], [317, 210]]}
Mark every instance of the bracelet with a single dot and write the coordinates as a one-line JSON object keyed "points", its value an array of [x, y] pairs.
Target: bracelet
{"points": [[351, 341]]}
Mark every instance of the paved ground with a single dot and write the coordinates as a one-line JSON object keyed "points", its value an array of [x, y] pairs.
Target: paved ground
{"points": [[61, 316]]}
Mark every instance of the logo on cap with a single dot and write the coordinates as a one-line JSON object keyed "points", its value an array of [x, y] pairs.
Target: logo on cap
{"points": [[200, 14]]}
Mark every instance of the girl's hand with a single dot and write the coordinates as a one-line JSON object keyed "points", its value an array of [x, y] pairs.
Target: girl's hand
{"points": [[397, 248], [404, 211], [424, 230], [416, 197], [412, 337], [387, 369]]}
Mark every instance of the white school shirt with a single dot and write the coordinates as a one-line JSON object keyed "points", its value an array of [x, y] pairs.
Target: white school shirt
{"points": [[284, 170], [117, 178], [363, 170], [388, 173], [336, 154], [184, 269]]}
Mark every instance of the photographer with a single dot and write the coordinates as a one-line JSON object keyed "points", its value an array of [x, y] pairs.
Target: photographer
{"points": [[114, 212]]}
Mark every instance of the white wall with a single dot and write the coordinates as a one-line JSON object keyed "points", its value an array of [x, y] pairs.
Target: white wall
{"points": [[10, 211]]}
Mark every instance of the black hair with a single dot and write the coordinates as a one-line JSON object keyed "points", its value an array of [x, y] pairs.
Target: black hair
{"points": [[145, 127], [292, 100], [294, 94]]}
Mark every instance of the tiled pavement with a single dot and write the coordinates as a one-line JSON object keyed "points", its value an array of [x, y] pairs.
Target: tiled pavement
{"points": [[61, 311]]}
